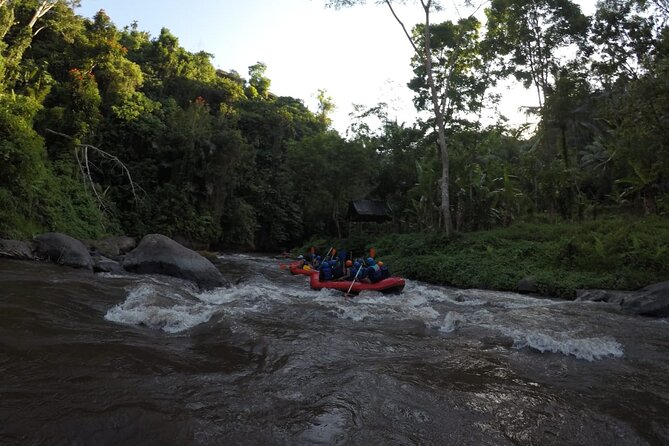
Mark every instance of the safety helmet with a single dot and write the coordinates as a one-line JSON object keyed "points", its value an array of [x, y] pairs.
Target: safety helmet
{"points": [[349, 263], [300, 257], [356, 264], [370, 261]]}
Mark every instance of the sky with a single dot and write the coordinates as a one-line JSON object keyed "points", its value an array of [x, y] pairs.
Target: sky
{"points": [[359, 55]]}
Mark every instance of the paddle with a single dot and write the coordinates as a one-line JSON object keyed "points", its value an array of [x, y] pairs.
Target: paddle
{"points": [[324, 259], [354, 278]]}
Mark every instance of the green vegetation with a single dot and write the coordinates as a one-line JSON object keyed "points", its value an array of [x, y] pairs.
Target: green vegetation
{"points": [[108, 130], [612, 253], [557, 258]]}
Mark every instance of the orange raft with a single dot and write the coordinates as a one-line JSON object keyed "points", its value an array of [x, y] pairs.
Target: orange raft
{"points": [[295, 269], [386, 286]]}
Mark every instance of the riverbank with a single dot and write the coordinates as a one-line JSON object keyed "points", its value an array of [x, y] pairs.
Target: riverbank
{"points": [[617, 253], [549, 259]]}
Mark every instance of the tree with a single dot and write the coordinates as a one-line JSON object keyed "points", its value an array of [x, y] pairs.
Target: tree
{"points": [[624, 37], [532, 32], [258, 83], [26, 13], [424, 54], [336, 171], [459, 71], [325, 106]]}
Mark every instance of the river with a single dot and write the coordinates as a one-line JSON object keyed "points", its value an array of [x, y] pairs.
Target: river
{"points": [[101, 359]]}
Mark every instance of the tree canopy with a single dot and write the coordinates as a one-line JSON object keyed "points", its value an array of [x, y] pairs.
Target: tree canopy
{"points": [[108, 130]]}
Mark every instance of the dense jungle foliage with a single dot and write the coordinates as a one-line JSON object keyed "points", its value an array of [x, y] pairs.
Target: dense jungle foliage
{"points": [[552, 259], [111, 130]]}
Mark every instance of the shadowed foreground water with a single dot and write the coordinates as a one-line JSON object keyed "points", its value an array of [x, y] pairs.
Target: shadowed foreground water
{"points": [[94, 359]]}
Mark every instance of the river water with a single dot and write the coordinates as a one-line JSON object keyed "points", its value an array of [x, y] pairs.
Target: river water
{"points": [[100, 359]]}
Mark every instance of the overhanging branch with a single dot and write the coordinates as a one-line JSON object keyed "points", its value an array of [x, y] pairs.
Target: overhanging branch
{"points": [[81, 154]]}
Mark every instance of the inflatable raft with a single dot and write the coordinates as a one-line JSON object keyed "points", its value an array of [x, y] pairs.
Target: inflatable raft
{"points": [[389, 285], [295, 269]]}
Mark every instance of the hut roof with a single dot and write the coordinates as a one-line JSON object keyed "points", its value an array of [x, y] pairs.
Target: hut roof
{"points": [[368, 210]]}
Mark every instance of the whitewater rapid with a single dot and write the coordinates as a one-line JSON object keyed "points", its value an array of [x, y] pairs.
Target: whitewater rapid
{"points": [[544, 325]]}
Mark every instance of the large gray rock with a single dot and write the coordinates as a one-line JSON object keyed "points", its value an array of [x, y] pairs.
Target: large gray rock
{"points": [[102, 264], [62, 249], [652, 300], [527, 285], [113, 246], [608, 296], [158, 254], [16, 250]]}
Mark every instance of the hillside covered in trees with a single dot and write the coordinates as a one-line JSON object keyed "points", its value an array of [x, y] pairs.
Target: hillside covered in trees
{"points": [[111, 130]]}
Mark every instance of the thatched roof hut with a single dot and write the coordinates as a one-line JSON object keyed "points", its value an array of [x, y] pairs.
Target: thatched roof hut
{"points": [[368, 210]]}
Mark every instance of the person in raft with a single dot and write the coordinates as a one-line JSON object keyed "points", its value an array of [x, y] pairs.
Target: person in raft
{"points": [[358, 272], [373, 271], [304, 263], [346, 270], [325, 273], [385, 272], [337, 269]]}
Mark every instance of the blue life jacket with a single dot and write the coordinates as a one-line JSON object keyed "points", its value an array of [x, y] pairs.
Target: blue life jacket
{"points": [[338, 270], [360, 275], [385, 272], [325, 273], [374, 273]]}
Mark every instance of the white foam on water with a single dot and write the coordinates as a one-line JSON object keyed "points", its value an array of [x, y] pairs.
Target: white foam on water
{"points": [[456, 297], [116, 275], [452, 320], [354, 313], [175, 307], [590, 349], [377, 306], [247, 292], [506, 299], [156, 308]]}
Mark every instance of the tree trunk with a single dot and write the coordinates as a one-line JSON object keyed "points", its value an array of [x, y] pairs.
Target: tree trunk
{"points": [[441, 130]]}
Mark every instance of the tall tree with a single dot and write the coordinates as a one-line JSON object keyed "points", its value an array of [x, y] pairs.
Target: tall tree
{"points": [[425, 55], [532, 32], [27, 14]]}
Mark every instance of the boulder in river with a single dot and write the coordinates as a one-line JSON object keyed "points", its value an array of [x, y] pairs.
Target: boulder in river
{"points": [[102, 264], [16, 249], [652, 300], [113, 246], [527, 285], [158, 254], [62, 249]]}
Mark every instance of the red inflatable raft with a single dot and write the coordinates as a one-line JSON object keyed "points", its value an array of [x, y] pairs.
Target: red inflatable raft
{"points": [[389, 285], [295, 269]]}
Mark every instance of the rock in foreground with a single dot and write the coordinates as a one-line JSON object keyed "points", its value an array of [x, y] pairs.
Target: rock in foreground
{"points": [[16, 249], [62, 249], [158, 254], [652, 300]]}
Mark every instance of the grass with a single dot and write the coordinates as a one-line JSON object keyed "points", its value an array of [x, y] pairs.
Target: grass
{"points": [[613, 253]]}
